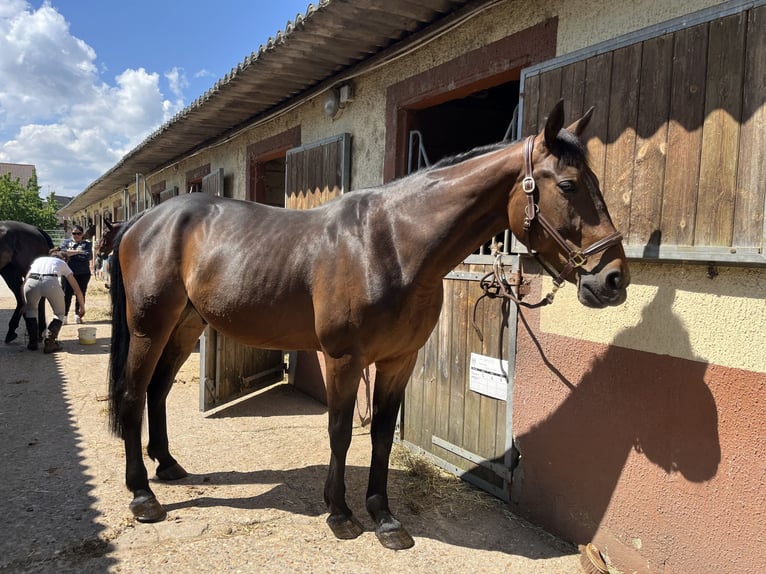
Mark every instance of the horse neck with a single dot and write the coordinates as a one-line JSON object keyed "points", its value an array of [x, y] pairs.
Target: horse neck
{"points": [[460, 207]]}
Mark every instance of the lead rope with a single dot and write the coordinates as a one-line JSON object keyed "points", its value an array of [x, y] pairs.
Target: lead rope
{"points": [[495, 284]]}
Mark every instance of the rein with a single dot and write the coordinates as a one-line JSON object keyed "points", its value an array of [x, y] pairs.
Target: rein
{"points": [[495, 284]]}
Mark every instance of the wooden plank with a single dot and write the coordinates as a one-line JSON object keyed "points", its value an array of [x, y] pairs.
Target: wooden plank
{"points": [[748, 212], [720, 132], [430, 378], [458, 377], [687, 108], [531, 97], [617, 184], [651, 141], [488, 406], [550, 94], [471, 412], [412, 404], [573, 90], [598, 78], [441, 427]]}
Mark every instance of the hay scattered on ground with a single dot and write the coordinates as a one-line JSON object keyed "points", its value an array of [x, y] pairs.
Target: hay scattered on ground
{"points": [[97, 303], [427, 487]]}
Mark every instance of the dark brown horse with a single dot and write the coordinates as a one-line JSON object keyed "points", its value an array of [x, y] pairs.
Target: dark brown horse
{"points": [[105, 244], [358, 278], [20, 245]]}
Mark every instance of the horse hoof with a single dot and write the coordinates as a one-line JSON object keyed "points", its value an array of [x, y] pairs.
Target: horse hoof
{"points": [[10, 337], [175, 472], [344, 527], [146, 508], [394, 536]]}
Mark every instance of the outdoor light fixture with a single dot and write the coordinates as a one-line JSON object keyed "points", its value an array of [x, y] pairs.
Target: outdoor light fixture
{"points": [[336, 99]]}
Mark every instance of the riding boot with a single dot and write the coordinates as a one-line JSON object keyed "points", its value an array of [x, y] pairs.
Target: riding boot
{"points": [[51, 341], [31, 333]]}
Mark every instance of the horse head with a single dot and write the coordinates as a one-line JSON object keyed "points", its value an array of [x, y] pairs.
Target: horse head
{"points": [[557, 210], [106, 243]]}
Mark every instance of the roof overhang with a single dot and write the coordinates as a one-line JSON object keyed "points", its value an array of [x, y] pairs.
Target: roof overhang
{"points": [[331, 43]]}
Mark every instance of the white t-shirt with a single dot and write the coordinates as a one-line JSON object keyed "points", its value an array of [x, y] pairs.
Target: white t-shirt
{"points": [[50, 266]]}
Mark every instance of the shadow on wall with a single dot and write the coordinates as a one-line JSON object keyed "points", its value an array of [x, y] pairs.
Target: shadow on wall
{"points": [[569, 465]]}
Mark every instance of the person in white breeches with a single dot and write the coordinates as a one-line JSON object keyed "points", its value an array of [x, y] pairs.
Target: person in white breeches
{"points": [[42, 280]]}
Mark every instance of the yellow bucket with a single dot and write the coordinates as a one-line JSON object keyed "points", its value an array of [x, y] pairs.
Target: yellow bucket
{"points": [[87, 335]]}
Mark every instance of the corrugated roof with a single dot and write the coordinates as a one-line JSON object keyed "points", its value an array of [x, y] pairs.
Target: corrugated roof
{"points": [[332, 38]]}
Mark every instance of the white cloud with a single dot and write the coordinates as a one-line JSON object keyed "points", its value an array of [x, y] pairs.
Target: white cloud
{"points": [[55, 110]]}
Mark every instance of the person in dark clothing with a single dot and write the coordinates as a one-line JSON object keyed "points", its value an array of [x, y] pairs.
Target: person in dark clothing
{"points": [[80, 252]]}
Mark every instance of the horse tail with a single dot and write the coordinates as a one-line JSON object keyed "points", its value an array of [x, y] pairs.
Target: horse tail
{"points": [[118, 356], [47, 237]]}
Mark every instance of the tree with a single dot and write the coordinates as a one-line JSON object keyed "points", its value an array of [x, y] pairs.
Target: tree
{"points": [[20, 202]]}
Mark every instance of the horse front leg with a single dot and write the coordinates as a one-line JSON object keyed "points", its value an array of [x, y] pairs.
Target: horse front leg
{"points": [[342, 383], [390, 381]]}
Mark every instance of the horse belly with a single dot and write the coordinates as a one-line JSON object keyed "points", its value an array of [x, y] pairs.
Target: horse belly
{"points": [[283, 327]]}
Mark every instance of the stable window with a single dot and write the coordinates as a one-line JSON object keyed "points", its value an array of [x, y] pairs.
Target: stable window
{"points": [[317, 172], [678, 135]]}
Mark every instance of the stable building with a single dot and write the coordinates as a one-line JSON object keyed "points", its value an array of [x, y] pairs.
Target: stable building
{"points": [[638, 428]]}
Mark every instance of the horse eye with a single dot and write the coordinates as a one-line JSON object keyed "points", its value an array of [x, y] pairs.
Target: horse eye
{"points": [[567, 186]]}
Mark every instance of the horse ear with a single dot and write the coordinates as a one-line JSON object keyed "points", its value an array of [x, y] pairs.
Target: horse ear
{"points": [[553, 124], [579, 126]]}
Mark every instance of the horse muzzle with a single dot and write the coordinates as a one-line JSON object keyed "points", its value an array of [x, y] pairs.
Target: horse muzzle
{"points": [[607, 288]]}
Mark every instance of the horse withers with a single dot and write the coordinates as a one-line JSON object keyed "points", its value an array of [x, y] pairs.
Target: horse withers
{"points": [[358, 278], [20, 245]]}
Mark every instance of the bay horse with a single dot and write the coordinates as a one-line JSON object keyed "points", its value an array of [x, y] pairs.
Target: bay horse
{"points": [[20, 245], [358, 278], [105, 244]]}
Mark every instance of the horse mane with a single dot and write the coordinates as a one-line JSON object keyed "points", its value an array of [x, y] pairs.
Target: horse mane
{"points": [[569, 149], [466, 155]]}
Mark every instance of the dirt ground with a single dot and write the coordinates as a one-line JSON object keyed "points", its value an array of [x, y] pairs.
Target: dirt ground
{"points": [[253, 498]]}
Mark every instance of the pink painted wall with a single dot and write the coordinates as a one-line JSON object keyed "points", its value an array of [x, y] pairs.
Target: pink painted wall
{"points": [[661, 461]]}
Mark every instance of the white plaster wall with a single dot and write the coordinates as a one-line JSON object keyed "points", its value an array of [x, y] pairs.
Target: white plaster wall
{"points": [[724, 316]]}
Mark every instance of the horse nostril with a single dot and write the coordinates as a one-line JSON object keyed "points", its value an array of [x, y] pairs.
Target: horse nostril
{"points": [[615, 280]]}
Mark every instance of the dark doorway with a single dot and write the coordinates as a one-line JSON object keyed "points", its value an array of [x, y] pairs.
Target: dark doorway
{"points": [[461, 124]]}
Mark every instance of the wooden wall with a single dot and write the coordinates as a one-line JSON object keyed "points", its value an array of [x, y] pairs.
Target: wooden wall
{"points": [[677, 119]]}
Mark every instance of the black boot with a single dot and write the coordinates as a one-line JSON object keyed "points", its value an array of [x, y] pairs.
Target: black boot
{"points": [[31, 333], [51, 341]]}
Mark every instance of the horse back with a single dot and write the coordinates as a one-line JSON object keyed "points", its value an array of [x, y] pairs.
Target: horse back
{"points": [[21, 244]]}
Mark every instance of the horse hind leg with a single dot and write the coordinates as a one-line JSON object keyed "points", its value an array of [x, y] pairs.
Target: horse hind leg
{"points": [[143, 356], [390, 381], [177, 350]]}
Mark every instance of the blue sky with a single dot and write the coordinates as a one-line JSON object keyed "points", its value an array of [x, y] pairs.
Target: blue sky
{"points": [[83, 83]]}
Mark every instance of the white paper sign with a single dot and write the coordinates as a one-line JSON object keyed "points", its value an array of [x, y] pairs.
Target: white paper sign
{"points": [[488, 376]]}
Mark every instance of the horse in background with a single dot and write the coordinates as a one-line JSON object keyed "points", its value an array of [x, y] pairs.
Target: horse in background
{"points": [[105, 246], [358, 278], [20, 245]]}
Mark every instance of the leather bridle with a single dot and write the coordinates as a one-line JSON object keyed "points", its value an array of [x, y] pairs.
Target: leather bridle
{"points": [[575, 257], [495, 284]]}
